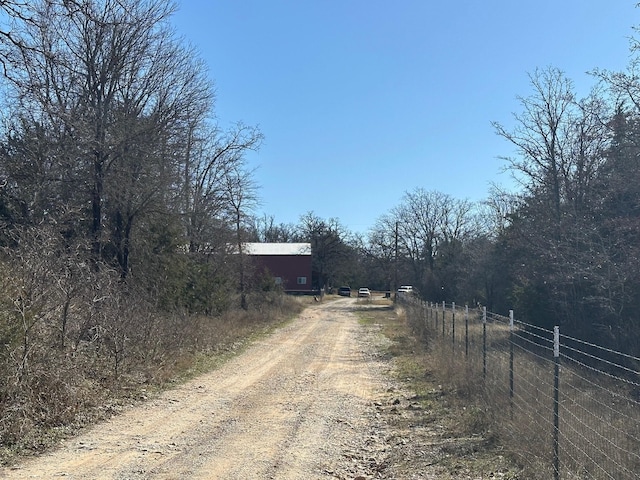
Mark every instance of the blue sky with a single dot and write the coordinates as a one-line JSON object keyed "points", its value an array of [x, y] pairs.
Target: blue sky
{"points": [[362, 100]]}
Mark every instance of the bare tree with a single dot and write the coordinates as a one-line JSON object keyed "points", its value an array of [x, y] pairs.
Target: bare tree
{"points": [[429, 225], [541, 134], [496, 211], [560, 141], [421, 216], [13, 12], [240, 196], [265, 229], [215, 161], [382, 243], [331, 253], [109, 75]]}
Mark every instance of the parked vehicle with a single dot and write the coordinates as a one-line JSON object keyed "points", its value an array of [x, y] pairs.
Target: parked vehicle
{"points": [[364, 293], [405, 291], [344, 291]]}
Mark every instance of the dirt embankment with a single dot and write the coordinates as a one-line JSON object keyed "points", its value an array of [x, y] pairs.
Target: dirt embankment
{"points": [[300, 404]]}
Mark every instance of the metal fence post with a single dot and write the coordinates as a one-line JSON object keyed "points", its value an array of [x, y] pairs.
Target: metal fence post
{"points": [[425, 314], [556, 403], [484, 342], [466, 330], [511, 359], [434, 314], [453, 326]]}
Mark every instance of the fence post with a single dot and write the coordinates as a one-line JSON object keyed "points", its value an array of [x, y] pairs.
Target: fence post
{"points": [[511, 359], [425, 314], [453, 326], [466, 330], [444, 309], [484, 342], [434, 310], [556, 403]]}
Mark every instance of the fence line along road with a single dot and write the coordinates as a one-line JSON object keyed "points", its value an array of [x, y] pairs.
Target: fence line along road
{"points": [[567, 408]]}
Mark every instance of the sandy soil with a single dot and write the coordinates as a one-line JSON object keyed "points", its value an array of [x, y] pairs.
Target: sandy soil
{"points": [[299, 404]]}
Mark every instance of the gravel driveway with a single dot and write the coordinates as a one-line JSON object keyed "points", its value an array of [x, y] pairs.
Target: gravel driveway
{"points": [[299, 404]]}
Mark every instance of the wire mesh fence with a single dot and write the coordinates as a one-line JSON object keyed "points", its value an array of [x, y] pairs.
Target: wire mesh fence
{"points": [[567, 408]]}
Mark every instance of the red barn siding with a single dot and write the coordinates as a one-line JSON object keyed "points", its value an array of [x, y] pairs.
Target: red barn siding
{"points": [[288, 268], [286, 261]]}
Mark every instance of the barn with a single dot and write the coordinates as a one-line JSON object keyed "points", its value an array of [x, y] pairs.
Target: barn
{"points": [[289, 263]]}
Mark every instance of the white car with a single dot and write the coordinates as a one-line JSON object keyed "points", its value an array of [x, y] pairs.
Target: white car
{"points": [[405, 290], [364, 293]]}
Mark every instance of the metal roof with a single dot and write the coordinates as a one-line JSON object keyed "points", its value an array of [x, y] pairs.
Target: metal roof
{"points": [[277, 248]]}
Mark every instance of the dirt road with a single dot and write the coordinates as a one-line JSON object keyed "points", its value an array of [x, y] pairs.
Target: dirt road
{"points": [[298, 404]]}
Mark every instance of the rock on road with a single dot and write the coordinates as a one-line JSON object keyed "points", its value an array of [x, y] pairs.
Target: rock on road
{"points": [[298, 404]]}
